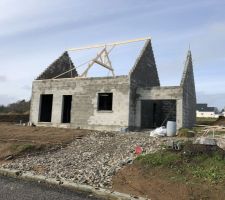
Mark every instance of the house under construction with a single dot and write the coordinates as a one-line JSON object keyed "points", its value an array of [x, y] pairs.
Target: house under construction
{"points": [[62, 98]]}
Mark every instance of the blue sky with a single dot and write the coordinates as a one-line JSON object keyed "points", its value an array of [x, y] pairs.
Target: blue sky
{"points": [[33, 33]]}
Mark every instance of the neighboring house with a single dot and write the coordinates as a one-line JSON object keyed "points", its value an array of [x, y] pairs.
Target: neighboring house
{"points": [[202, 110], [132, 101]]}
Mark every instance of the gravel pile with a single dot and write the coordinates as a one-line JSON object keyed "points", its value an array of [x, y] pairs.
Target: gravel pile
{"points": [[92, 160]]}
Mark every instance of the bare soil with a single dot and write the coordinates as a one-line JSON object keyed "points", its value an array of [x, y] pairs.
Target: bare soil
{"points": [[158, 184], [17, 140], [220, 121]]}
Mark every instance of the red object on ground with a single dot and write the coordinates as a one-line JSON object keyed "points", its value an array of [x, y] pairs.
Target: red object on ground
{"points": [[138, 150]]}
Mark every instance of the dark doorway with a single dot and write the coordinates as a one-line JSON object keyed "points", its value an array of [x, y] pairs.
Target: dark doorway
{"points": [[46, 107], [147, 114], [66, 112], [105, 101], [155, 113]]}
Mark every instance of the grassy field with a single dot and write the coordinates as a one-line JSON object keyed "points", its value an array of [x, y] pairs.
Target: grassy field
{"points": [[205, 121], [18, 140]]}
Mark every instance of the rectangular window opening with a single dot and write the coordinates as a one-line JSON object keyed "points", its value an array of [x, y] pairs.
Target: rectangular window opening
{"points": [[66, 112], [46, 107], [105, 101]]}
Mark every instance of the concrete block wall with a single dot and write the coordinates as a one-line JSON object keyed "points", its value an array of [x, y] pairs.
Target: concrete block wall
{"points": [[189, 94], [143, 74], [168, 110], [128, 92], [84, 113], [174, 93]]}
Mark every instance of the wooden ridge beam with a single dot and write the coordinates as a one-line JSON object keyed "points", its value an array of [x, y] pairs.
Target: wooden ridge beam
{"points": [[109, 44]]}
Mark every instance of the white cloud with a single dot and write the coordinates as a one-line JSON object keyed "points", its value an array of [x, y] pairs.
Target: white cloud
{"points": [[3, 78], [6, 99]]}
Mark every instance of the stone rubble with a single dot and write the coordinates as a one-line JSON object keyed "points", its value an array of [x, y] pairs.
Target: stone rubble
{"points": [[92, 160]]}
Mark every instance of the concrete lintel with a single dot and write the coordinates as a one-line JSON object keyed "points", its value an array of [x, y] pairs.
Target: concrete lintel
{"points": [[160, 93]]}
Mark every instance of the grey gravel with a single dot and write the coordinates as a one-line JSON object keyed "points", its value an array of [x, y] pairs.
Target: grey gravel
{"points": [[92, 160]]}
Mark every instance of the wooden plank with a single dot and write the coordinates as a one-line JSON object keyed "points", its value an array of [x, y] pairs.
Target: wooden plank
{"points": [[109, 44]]}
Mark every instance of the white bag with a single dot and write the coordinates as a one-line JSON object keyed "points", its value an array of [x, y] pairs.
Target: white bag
{"points": [[158, 132]]}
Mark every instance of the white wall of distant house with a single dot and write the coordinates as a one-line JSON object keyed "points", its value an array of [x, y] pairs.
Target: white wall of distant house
{"points": [[207, 114]]}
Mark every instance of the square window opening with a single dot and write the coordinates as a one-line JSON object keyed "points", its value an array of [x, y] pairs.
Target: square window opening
{"points": [[105, 101]]}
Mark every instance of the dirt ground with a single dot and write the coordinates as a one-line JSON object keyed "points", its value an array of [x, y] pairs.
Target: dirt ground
{"points": [[133, 179], [220, 122], [15, 139], [156, 185]]}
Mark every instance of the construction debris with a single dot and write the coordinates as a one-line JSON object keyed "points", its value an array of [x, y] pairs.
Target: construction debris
{"points": [[158, 132], [91, 160], [205, 141]]}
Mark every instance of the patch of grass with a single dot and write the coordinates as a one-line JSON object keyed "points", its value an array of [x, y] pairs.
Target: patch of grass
{"points": [[219, 133], [202, 167], [205, 120], [185, 132], [208, 119], [20, 148], [15, 149], [159, 159]]}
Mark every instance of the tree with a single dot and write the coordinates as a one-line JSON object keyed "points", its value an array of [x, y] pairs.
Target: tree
{"points": [[21, 106]]}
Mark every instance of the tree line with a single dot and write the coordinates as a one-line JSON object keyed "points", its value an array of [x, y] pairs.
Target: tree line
{"points": [[21, 106]]}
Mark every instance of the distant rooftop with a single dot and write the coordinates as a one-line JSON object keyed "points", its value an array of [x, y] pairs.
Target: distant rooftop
{"points": [[203, 107]]}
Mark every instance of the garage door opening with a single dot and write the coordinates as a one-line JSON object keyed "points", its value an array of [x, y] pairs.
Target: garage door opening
{"points": [[46, 108], [155, 113], [66, 112]]}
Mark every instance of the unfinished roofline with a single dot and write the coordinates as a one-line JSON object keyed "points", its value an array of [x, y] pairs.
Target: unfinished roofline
{"points": [[52, 65], [82, 78], [186, 66], [139, 57]]}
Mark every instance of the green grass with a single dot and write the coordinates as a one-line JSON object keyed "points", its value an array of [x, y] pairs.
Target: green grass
{"points": [[199, 168], [22, 148], [205, 120], [159, 159], [185, 132]]}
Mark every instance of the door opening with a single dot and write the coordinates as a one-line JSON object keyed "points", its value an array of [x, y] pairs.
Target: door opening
{"points": [[155, 113], [46, 108], [66, 111]]}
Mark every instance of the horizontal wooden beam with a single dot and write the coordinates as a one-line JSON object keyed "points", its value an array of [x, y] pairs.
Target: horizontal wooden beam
{"points": [[109, 44]]}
